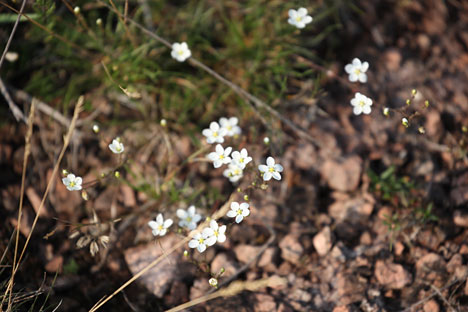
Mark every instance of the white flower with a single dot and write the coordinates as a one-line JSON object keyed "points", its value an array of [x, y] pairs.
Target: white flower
{"points": [[233, 172], [72, 183], [238, 211], [214, 134], [266, 140], [221, 156], [180, 51], [241, 159], [213, 282], [357, 70], [189, 218], [361, 103], [230, 125], [405, 122], [116, 146], [299, 18], [218, 233], [199, 240], [160, 226], [271, 170]]}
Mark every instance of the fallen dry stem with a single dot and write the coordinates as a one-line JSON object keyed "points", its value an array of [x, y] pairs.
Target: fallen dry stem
{"points": [[218, 214], [66, 142], [233, 289], [12, 34]]}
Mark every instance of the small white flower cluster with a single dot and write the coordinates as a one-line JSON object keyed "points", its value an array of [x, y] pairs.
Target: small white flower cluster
{"points": [[357, 72], [216, 133], [237, 161]]}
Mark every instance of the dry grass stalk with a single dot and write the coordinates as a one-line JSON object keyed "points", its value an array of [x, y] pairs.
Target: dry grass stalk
{"points": [[66, 142]]}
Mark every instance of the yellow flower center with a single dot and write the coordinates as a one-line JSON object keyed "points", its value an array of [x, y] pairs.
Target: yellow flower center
{"points": [[271, 169], [239, 211], [201, 240], [237, 172], [298, 19], [160, 227], [72, 184], [221, 156], [241, 160], [215, 134], [117, 148], [362, 103], [229, 127], [180, 52], [189, 219], [216, 233]]}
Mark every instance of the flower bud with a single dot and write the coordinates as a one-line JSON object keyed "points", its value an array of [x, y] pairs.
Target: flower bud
{"points": [[266, 140], [464, 129], [117, 174], [386, 111], [163, 123], [421, 130], [426, 103], [76, 10], [408, 102], [65, 172], [99, 22], [413, 92], [246, 197], [84, 195], [213, 282], [96, 129], [185, 253], [405, 122]]}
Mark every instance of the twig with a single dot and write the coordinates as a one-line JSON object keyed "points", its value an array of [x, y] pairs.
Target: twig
{"points": [[7, 46], [19, 116], [233, 289], [437, 290]]}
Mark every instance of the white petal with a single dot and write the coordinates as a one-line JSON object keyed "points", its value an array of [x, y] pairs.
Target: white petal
{"points": [[234, 205], [214, 225], [212, 156], [222, 229], [366, 110], [162, 232], [193, 243], [219, 149], [181, 213], [353, 77], [160, 219], [233, 121], [263, 168], [292, 13], [276, 175], [78, 180], [278, 168], [221, 238], [227, 151], [357, 62], [302, 12], [168, 223], [364, 66], [239, 218], [207, 232], [152, 224], [192, 210], [201, 247], [231, 214], [210, 241], [270, 161], [214, 126], [217, 163], [196, 218], [357, 110], [244, 206], [245, 212], [307, 19], [363, 78], [175, 46], [223, 121], [207, 132], [184, 45], [349, 68], [267, 176]]}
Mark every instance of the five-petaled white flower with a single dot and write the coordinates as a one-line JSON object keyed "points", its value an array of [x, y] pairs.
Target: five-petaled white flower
{"points": [[357, 70], [218, 233], [233, 172], [271, 170], [214, 134], [159, 227], [180, 51], [241, 159], [299, 18], [199, 240], [230, 124], [238, 211], [116, 146], [213, 282], [188, 218], [72, 182], [221, 156], [361, 104]]}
